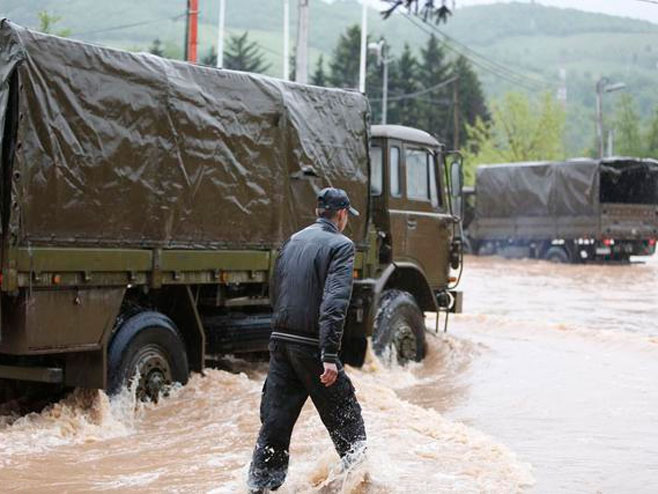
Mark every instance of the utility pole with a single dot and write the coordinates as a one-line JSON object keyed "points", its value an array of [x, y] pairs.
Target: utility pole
{"points": [[599, 112], [455, 105], [381, 48], [364, 37], [191, 30], [286, 40], [385, 83], [301, 52], [220, 33], [603, 86]]}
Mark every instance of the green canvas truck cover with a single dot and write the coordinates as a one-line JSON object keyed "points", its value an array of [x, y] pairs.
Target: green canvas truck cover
{"points": [[117, 148], [537, 189], [553, 199]]}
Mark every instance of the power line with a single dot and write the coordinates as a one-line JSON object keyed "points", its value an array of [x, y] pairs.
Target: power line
{"points": [[488, 65], [418, 93], [474, 61], [127, 26], [655, 2], [492, 62]]}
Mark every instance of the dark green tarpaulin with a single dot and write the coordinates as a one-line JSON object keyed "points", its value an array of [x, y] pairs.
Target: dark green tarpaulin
{"points": [[119, 148], [541, 200], [538, 189]]}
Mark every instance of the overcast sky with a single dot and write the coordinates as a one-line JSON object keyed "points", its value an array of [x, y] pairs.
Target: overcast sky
{"points": [[627, 8]]}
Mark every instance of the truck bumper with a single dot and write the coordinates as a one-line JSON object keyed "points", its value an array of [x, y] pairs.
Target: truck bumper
{"points": [[459, 300], [450, 300], [52, 375]]}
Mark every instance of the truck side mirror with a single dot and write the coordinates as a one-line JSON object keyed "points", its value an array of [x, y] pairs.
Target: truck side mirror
{"points": [[456, 184], [456, 178]]}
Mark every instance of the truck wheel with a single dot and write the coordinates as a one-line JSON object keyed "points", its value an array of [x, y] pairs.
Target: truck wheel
{"points": [[147, 345], [399, 328], [557, 255]]}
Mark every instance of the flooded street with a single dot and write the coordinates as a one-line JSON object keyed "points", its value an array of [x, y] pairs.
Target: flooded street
{"points": [[567, 373], [547, 383]]}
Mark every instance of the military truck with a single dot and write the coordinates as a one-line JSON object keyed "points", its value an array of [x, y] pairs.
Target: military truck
{"points": [[579, 210], [143, 201]]}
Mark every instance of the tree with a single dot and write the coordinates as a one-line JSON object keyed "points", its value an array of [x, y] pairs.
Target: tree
{"points": [[433, 69], [403, 109], [319, 78], [241, 54], [344, 65], [156, 48], [652, 136], [47, 23], [374, 86], [627, 128], [518, 131], [210, 59], [472, 103]]}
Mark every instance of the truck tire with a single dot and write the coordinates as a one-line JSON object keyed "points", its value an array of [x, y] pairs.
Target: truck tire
{"points": [[147, 344], [399, 331], [557, 255]]}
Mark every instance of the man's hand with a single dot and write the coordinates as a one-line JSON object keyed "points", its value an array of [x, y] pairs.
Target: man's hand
{"points": [[330, 374]]}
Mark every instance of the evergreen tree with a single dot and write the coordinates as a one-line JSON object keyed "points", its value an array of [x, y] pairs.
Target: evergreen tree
{"points": [[211, 58], [241, 54], [344, 65], [402, 109], [472, 103], [156, 48], [627, 128], [374, 87], [433, 106], [319, 78]]}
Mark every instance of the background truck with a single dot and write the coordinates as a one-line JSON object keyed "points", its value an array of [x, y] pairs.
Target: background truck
{"points": [[574, 211], [143, 201]]}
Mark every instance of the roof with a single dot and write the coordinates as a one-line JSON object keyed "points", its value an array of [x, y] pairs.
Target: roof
{"points": [[404, 134]]}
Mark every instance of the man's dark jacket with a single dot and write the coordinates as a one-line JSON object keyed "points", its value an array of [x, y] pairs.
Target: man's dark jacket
{"points": [[312, 287]]}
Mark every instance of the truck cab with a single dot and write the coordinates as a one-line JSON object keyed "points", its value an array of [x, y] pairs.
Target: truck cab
{"points": [[411, 210]]}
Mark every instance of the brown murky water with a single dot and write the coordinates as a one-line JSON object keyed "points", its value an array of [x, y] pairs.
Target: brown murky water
{"points": [[548, 383]]}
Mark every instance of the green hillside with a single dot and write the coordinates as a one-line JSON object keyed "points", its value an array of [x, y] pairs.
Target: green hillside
{"points": [[516, 46]]}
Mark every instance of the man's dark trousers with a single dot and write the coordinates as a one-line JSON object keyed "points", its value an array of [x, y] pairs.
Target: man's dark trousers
{"points": [[293, 376]]}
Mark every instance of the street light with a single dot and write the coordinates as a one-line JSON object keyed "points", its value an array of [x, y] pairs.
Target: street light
{"points": [[381, 48], [603, 86]]}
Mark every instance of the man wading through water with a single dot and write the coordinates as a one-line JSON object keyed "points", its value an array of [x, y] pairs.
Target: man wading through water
{"points": [[311, 291]]}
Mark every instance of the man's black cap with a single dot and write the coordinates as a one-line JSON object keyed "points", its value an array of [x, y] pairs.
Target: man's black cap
{"points": [[334, 199]]}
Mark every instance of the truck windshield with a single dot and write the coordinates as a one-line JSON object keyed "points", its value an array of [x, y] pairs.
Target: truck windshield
{"points": [[630, 183]]}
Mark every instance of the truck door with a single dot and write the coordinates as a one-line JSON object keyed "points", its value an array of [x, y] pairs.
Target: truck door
{"points": [[427, 221], [397, 211]]}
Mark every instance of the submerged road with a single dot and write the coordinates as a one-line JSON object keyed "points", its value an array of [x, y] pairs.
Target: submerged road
{"points": [[545, 384], [567, 371]]}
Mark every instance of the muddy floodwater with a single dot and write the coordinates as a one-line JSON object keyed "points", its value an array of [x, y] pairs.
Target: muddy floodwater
{"points": [[547, 383]]}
